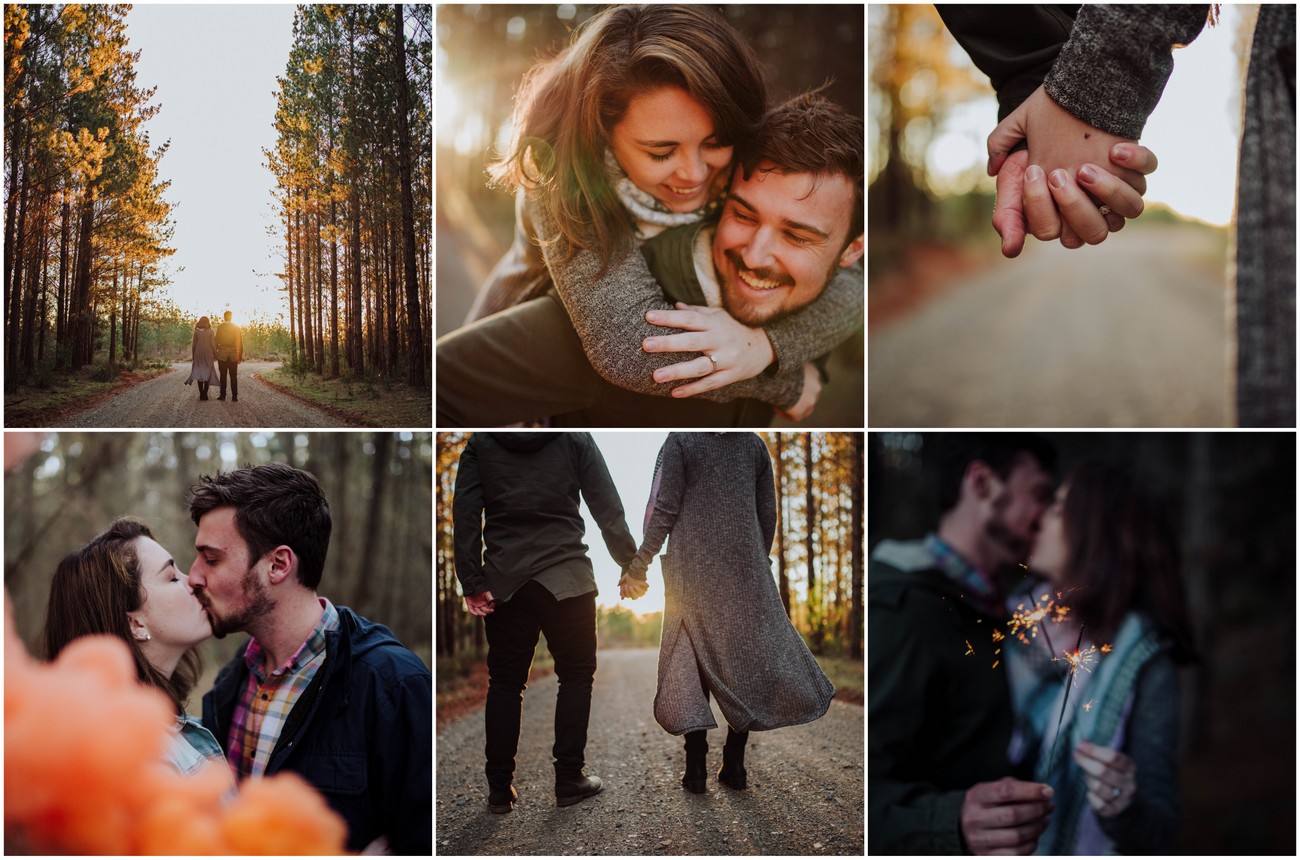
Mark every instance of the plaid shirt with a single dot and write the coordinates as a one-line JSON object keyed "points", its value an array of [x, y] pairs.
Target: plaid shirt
{"points": [[981, 586], [266, 701]]}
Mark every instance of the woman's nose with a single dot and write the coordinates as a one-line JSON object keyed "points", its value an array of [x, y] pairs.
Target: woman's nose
{"points": [[695, 170]]}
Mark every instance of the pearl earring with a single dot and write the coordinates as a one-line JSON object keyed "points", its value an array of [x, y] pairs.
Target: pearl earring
{"points": [[143, 636]]}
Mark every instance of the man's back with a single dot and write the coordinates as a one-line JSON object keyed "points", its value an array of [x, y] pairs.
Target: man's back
{"points": [[229, 341], [526, 488]]}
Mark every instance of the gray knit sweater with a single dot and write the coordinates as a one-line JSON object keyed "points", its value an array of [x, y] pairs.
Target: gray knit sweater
{"points": [[608, 312], [1111, 74], [725, 632]]}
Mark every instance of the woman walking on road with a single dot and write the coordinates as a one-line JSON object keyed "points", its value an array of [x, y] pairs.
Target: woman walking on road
{"points": [[203, 354], [725, 631]]}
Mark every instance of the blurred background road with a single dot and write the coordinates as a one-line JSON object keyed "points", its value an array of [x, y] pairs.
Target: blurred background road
{"points": [[1129, 333]]}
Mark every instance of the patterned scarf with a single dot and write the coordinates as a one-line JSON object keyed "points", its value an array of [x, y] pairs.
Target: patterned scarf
{"points": [[1074, 828], [652, 217]]}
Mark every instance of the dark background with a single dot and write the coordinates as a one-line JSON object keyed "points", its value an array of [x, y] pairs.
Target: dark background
{"points": [[1231, 499]]}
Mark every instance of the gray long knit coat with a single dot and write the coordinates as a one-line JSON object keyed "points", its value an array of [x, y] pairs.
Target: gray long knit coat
{"points": [[1112, 72], [203, 351], [725, 630]]}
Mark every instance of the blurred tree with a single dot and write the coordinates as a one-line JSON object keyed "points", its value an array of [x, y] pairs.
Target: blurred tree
{"points": [[915, 79]]}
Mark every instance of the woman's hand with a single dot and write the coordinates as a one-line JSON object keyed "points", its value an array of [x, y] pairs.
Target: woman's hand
{"points": [[1110, 775], [737, 351], [1063, 184]]}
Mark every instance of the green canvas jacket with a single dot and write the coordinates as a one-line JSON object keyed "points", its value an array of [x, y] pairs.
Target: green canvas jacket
{"points": [[939, 717]]}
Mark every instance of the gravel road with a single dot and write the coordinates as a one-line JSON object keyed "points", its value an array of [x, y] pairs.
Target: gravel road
{"points": [[1124, 334], [166, 401], [805, 794]]}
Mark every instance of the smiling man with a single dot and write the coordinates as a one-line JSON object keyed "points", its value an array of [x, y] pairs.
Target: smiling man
{"points": [[317, 689], [793, 219]]}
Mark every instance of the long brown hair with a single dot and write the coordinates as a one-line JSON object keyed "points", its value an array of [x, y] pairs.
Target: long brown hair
{"points": [[1122, 556], [567, 107], [93, 590]]}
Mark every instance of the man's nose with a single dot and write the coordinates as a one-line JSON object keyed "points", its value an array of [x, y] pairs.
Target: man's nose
{"points": [[757, 253]]}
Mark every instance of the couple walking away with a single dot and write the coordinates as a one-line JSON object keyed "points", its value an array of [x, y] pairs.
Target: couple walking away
{"points": [[963, 753], [317, 690], [209, 349], [523, 568]]}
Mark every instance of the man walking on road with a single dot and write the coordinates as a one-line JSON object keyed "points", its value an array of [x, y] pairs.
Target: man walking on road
{"points": [[524, 569], [230, 352]]}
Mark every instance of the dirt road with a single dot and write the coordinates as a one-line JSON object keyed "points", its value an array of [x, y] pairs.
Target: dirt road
{"points": [[1124, 334], [804, 795], [166, 401]]}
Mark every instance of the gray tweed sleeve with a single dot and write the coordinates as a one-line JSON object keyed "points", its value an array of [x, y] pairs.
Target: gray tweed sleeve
{"points": [[666, 490], [1112, 71], [608, 312], [1150, 824]]}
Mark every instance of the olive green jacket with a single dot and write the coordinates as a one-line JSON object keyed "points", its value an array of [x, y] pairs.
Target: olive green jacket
{"points": [[939, 717]]}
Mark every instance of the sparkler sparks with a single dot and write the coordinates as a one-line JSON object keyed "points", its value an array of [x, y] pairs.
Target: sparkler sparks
{"points": [[969, 650], [1087, 706], [1024, 623]]}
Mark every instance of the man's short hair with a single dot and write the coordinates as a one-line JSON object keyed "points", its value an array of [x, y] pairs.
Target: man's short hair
{"points": [[811, 134], [227, 316], [999, 451], [274, 504]]}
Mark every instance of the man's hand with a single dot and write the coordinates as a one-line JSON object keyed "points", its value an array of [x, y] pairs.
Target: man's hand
{"points": [[1063, 185], [1005, 817], [812, 391], [632, 587], [740, 352], [480, 604]]}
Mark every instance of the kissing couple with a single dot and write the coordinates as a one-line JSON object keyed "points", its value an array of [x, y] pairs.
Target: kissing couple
{"points": [[523, 568], [316, 690]]}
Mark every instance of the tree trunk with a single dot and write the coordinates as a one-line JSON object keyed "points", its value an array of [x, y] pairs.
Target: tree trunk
{"points": [[355, 343], [79, 309], [811, 515], [334, 292], [415, 344]]}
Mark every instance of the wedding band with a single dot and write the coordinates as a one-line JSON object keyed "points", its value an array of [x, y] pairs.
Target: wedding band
{"points": [[1103, 209], [709, 355], [1115, 793]]}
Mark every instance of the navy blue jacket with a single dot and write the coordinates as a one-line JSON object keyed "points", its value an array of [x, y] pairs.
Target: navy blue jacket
{"points": [[361, 733]]}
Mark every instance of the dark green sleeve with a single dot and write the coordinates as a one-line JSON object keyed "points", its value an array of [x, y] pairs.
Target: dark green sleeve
{"points": [[467, 523], [1014, 45], [905, 816], [604, 503]]}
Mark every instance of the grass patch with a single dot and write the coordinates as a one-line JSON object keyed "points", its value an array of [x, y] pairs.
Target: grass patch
{"points": [[49, 396], [846, 675], [359, 402]]}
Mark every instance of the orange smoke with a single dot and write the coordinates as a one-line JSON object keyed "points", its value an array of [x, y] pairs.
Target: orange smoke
{"points": [[84, 770]]}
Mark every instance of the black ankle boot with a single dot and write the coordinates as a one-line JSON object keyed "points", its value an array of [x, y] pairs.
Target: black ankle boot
{"points": [[733, 761], [696, 777]]}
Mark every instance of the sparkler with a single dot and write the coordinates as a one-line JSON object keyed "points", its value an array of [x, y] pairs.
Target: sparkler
{"points": [[1074, 660]]}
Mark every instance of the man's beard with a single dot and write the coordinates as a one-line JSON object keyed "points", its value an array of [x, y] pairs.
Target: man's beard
{"points": [[751, 316], [258, 603]]}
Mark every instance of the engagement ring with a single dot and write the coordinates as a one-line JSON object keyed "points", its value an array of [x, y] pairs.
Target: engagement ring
{"points": [[714, 360], [1105, 210], [1115, 793]]}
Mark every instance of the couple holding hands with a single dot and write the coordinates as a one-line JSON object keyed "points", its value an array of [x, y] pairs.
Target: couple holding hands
{"points": [[523, 567]]}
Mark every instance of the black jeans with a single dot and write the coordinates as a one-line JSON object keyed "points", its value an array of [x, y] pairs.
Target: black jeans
{"points": [[512, 632], [233, 368]]}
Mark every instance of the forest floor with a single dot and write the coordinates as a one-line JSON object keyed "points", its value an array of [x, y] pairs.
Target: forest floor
{"points": [[166, 401], [30, 405], [805, 794], [359, 404]]}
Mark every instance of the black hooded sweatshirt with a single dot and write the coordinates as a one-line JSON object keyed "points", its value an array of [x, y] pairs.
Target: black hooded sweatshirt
{"points": [[516, 517]]}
